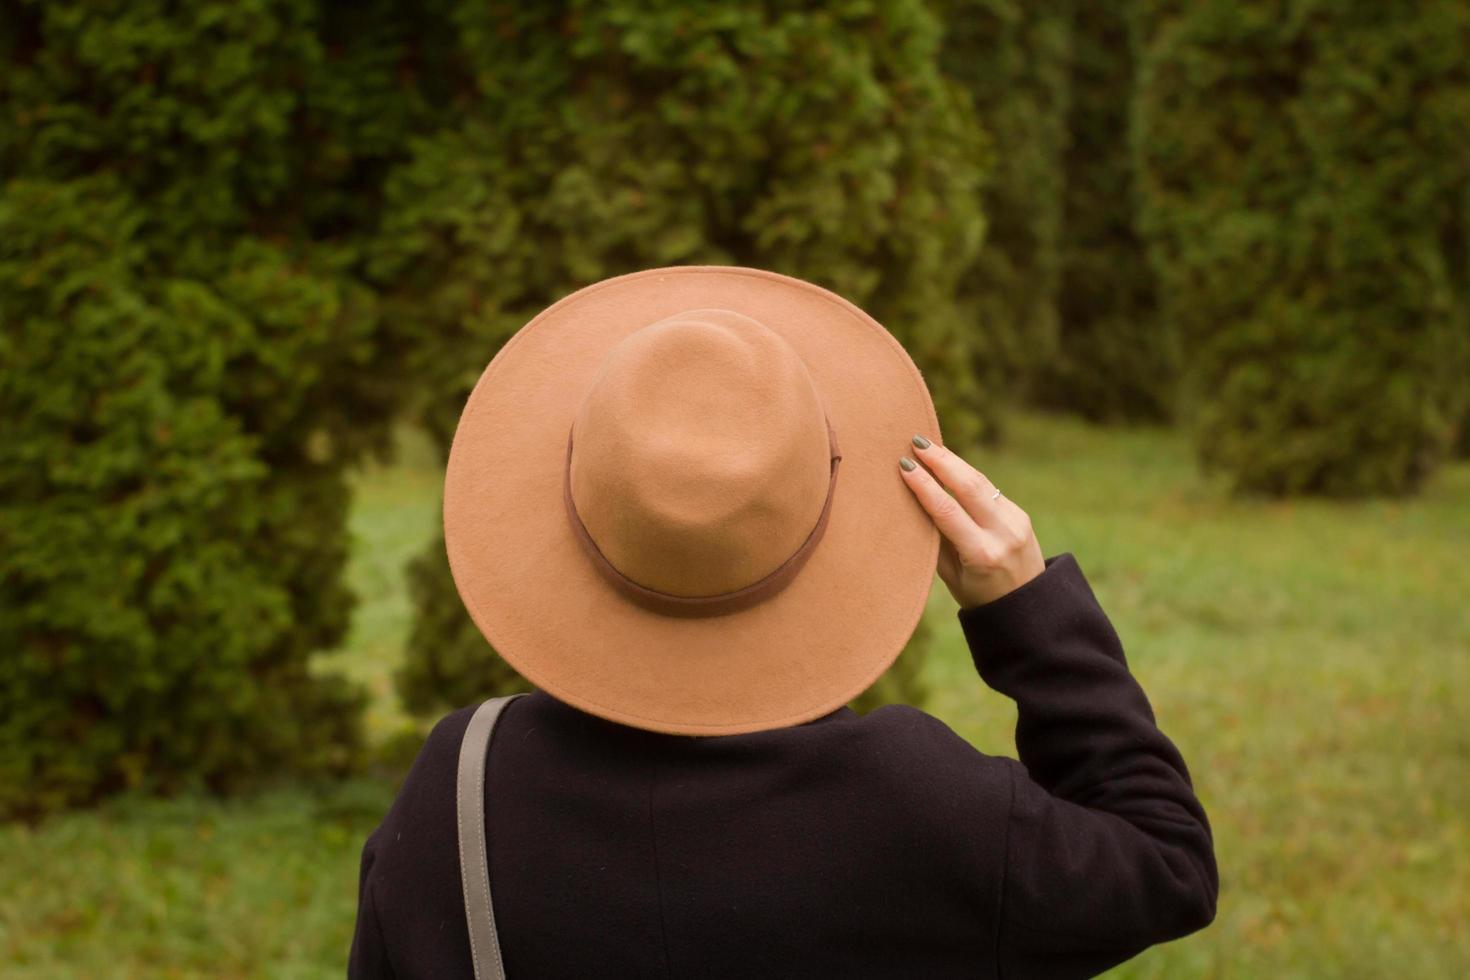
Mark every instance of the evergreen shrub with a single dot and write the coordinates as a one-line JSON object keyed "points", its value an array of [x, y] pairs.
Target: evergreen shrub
{"points": [[1013, 58], [1115, 362], [1303, 176], [189, 366]]}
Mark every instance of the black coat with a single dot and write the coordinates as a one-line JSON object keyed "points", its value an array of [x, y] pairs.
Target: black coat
{"points": [[878, 845]]}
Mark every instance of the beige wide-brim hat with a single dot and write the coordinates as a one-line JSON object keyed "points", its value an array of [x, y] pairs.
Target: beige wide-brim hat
{"points": [[674, 501]]}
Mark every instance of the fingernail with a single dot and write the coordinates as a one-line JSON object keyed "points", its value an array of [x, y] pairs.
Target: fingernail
{"points": [[921, 442], [906, 463]]}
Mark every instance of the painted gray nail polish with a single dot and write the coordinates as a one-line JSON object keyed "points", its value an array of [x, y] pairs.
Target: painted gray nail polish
{"points": [[921, 442], [906, 463]]}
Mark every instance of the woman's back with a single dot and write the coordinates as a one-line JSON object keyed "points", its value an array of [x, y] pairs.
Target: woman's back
{"points": [[881, 845]]}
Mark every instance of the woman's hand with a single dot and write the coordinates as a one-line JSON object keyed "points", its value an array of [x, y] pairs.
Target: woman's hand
{"points": [[988, 547]]}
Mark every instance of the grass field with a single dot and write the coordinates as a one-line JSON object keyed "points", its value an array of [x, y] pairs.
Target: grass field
{"points": [[1311, 659]]}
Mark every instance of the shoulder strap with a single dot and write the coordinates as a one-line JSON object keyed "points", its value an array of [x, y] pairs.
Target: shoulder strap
{"points": [[474, 864]]}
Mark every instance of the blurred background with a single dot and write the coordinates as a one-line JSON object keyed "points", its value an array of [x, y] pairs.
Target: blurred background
{"points": [[1189, 278]]}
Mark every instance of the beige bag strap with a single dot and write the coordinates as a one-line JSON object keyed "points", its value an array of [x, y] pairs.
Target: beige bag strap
{"points": [[474, 863]]}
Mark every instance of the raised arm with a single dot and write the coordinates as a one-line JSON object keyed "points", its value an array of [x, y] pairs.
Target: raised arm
{"points": [[1109, 851]]}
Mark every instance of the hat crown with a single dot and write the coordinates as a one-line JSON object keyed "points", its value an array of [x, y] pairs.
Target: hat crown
{"points": [[701, 458]]}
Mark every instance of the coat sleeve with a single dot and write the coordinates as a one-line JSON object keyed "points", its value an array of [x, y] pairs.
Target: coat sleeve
{"points": [[1108, 849], [368, 958]]}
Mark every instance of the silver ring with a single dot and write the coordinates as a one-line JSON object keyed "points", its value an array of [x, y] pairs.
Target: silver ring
{"points": [[994, 495]]}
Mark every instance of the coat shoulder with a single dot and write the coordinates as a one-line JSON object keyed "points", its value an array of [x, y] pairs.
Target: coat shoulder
{"points": [[449, 730], [918, 729], [927, 754], [940, 790], [428, 786]]}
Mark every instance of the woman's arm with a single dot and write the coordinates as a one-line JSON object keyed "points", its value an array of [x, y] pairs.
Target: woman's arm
{"points": [[1108, 851]]}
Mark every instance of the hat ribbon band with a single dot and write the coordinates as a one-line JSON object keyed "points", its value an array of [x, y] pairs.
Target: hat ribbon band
{"points": [[719, 604]]}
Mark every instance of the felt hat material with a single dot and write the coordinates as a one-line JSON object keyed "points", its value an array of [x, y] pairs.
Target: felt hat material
{"points": [[673, 500]]}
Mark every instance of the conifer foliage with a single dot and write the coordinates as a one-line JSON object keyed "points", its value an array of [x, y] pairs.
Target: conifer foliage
{"points": [[1013, 58], [189, 366], [1304, 176], [1116, 361], [238, 238]]}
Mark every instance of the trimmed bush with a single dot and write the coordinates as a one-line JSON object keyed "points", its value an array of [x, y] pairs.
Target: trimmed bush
{"points": [[190, 366], [1013, 58], [449, 662], [1114, 362], [1303, 185], [591, 139]]}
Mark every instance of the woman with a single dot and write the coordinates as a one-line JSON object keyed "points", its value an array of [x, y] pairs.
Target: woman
{"points": [[689, 505]]}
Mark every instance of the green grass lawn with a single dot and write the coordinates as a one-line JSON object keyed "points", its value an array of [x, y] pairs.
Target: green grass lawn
{"points": [[1311, 659]]}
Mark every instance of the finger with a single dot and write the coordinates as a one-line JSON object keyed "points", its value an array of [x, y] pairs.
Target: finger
{"points": [[949, 562], [951, 519], [970, 487], [1014, 516], [1011, 523]]}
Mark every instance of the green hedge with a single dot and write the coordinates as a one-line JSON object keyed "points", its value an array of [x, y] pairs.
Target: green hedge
{"points": [[1013, 58], [1115, 362], [190, 364], [587, 139], [1303, 179]]}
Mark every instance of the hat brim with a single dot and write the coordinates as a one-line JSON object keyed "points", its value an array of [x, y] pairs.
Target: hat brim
{"points": [[534, 594]]}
